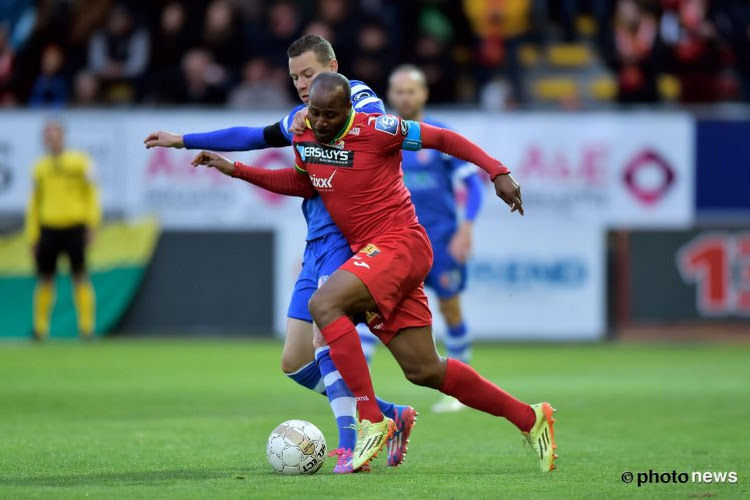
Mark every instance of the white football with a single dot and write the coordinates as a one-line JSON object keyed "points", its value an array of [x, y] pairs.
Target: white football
{"points": [[296, 447]]}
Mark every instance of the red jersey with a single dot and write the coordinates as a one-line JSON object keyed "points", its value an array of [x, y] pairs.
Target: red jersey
{"points": [[359, 176]]}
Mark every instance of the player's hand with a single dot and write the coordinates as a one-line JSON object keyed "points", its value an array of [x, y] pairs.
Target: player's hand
{"points": [[213, 160], [460, 244], [299, 123], [508, 190], [164, 140]]}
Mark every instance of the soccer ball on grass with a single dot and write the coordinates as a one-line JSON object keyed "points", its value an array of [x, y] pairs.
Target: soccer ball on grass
{"points": [[296, 447]]}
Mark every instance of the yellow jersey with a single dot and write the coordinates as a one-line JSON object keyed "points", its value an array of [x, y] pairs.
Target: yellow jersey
{"points": [[63, 194]]}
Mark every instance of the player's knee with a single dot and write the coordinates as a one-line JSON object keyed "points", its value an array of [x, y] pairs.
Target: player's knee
{"points": [[323, 308], [426, 375], [290, 364]]}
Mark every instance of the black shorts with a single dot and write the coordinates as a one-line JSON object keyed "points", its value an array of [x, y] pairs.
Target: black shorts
{"points": [[53, 242]]}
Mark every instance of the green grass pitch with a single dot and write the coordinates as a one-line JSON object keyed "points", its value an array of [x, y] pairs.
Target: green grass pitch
{"points": [[189, 419]]}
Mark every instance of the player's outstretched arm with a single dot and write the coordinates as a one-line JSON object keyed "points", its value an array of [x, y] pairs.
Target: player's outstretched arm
{"points": [[286, 181], [227, 139], [454, 144]]}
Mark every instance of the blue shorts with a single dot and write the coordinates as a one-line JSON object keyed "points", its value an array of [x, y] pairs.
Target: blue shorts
{"points": [[322, 257], [447, 277]]}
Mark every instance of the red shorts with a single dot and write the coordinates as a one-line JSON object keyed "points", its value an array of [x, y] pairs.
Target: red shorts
{"points": [[393, 267]]}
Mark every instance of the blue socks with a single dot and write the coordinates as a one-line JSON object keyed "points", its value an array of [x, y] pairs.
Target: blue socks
{"points": [[368, 340], [309, 376], [341, 398], [457, 343]]}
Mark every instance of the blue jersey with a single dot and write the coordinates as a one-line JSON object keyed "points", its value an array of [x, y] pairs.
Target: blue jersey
{"points": [[319, 222], [429, 175]]}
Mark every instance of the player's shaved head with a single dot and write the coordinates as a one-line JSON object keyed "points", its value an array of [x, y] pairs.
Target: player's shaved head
{"points": [[329, 106], [332, 85]]}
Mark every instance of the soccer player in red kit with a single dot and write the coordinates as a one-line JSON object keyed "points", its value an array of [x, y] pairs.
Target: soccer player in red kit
{"points": [[353, 161]]}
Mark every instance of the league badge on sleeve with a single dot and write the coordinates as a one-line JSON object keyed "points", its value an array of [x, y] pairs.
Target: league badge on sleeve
{"points": [[387, 123]]}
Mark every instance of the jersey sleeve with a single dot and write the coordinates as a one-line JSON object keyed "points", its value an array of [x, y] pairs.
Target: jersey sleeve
{"points": [[364, 99], [287, 121], [390, 133]]}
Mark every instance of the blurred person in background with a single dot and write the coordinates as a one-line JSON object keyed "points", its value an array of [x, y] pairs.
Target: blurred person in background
{"points": [[691, 39], [283, 26], [51, 87], [429, 175], [6, 65], [171, 40], [260, 87], [119, 54], [203, 81], [63, 212], [501, 26], [222, 36], [374, 56], [85, 90], [636, 52], [732, 21]]}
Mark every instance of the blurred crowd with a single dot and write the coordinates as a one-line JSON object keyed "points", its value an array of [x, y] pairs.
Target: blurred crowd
{"points": [[79, 53]]}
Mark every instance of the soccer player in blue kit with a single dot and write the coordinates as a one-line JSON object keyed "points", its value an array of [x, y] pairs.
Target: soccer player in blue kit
{"points": [[429, 175], [325, 250]]}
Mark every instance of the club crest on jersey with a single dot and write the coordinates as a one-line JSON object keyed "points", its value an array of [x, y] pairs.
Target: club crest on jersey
{"points": [[370, 250], [387, 123], [361, 95], [321, 154]]}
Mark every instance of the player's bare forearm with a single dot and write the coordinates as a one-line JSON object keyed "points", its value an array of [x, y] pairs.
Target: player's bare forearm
{"points": [[286, 181], [458, 146]]}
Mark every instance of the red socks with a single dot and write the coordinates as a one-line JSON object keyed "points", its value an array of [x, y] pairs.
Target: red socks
{"points": [[346, 353], [465, 384]]}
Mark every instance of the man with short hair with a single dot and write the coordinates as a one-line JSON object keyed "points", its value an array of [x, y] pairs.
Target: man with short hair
{"points": [[429, 176], [353, 161], [325, 250], [62, 214]]}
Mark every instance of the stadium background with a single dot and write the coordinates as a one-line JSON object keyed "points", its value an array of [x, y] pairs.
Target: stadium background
{"points": [[625, 122]]}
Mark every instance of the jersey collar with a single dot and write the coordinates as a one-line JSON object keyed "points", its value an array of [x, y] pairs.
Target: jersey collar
{"points": [[347, 126]]}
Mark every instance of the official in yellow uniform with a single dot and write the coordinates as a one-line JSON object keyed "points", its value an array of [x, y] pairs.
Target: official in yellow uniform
{"points": [[62, 214]]}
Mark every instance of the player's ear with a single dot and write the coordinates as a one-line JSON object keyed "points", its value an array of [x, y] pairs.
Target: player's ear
{"points": [[333, 65]]}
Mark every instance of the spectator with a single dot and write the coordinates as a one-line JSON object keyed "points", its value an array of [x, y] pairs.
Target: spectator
{"points": [[343, 24], [85, 90], [222, 36], [172, 39], [500, 26], [204, 81], [691, 38], [6, 65], [635, 32], [261, 87], [119, 54], [51, 88], [432, 56], [284, 26], [374, 56]]}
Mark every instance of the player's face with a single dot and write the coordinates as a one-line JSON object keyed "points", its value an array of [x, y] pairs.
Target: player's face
{"points": [[406, 95], [304, 68], [53, 137], [327, 114]]}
